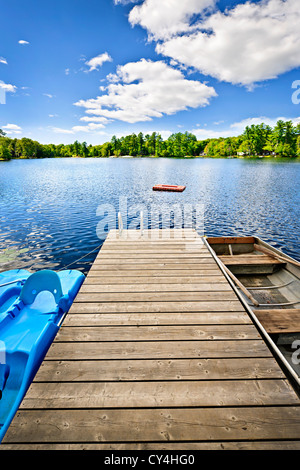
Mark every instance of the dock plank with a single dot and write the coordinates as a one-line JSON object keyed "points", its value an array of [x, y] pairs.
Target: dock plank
{"points": [[156, 333], [177, 296], [170, 394], [158, 369], [153, 307], [150, 318], [157, 352], [91, 288], [155, 425]]}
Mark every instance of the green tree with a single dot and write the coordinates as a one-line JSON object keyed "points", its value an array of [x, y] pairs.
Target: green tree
{"points": [[298, 146], [5, 152], [256, 138]]}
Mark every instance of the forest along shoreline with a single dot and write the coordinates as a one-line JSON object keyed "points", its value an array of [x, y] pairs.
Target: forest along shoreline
{"points": [[261, 140]]}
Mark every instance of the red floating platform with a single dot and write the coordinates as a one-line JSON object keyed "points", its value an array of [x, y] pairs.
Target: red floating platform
{"points": [[168, 187]]}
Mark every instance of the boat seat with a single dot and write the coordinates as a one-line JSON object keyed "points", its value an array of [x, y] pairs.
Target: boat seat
{"points": [[40, 281], [279, 320], [248, 259]]}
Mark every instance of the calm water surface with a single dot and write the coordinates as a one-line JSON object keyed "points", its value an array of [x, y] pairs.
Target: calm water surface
{"points": [[49, 217]]}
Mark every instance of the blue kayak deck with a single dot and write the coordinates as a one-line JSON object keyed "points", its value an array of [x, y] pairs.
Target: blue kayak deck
{"points": [[157, 352]]}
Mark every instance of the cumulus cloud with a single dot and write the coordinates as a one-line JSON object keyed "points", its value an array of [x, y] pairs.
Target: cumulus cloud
{"points": [[8, 88], [23, 42], [59, 130], [143, 90], [98, 61], [163, 19], [100, 119], [244, 45], [3, 61], [12, 129], [91, 127]]}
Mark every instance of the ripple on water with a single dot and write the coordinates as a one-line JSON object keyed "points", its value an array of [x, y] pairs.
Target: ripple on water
{"points": [[48, 208]]}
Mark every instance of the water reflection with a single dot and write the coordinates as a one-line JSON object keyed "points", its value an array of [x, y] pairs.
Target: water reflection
{"points": [[48, 208]]}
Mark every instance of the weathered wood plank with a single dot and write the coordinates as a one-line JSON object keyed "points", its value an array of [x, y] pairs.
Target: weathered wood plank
{"points": [[153, 234], [250, 259], [155, 296], [154, 307], [144, 266], [169, 252], [157, 350], [121, 446], [91, 288], [153, 253], [110, 271], [229, 240], [156, 333], [280, 320], [203, 318], [188, 424], [100, 278], [155, 262], [146, 446], [159, 394], [157, 347], [158, 369], [155, 245]]}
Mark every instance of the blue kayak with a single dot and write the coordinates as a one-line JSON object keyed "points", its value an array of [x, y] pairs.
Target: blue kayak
{"points": [[32, 308]]}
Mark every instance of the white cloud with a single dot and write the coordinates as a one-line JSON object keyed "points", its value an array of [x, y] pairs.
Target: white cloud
{"points": [[124, 2], [48, 95], [59, 130], [23, 42], [3, 61], [12, 129], [91, 127], [7, 87], [140, 91], [163, 19], [248, 44], [101, 119], [98, 61]]}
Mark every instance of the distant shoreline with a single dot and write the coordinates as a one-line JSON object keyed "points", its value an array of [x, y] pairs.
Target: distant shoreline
{"points": [[192, 157]]}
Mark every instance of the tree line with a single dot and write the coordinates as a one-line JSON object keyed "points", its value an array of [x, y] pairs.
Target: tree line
{"points": [[282, 140]]}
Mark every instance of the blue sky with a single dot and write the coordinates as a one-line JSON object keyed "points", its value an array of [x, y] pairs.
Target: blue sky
{"points": [[86, 70]]}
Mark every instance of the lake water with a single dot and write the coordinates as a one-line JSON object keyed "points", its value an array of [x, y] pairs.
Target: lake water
{"points": [[52, 210]]}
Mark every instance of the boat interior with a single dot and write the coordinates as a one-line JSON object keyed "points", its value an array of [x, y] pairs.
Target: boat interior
{"points": [[269, 281]]}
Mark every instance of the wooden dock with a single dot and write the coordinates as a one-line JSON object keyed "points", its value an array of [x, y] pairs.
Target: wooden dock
{"points": [[157, 352]]}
